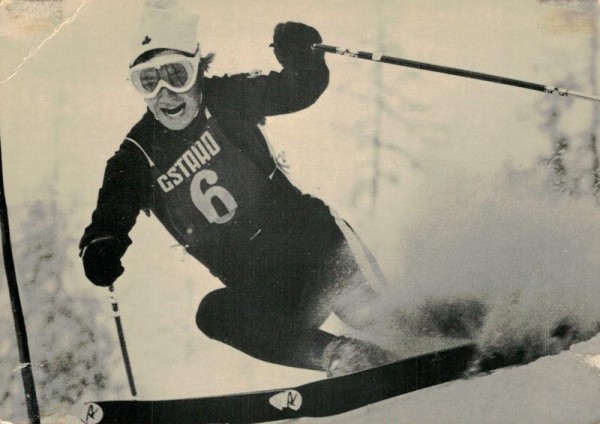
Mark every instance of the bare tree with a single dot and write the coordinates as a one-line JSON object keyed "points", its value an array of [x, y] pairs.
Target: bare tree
{"points": [[387, 110]]}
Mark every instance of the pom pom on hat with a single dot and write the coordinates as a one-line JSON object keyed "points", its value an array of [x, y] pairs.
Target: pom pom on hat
{"points": [[165, 25]]}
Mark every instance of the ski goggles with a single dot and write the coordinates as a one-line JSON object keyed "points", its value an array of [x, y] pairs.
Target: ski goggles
{"points": [[175, 72]]}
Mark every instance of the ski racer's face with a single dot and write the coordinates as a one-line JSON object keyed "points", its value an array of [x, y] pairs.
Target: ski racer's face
{"points": [[172, 107]]}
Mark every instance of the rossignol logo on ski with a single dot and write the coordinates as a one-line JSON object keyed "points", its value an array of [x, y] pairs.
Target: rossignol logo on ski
{"points": [[289, 399], [93, 414]]}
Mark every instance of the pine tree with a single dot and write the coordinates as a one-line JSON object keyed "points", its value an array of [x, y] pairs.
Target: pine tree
{"points": [[70, 351], [574, 161]]}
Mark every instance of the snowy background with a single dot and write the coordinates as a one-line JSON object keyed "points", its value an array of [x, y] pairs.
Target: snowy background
{"points": [[479, 200]]}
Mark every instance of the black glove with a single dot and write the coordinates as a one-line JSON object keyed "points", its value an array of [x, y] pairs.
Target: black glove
{"points": [[102, 260], [293, 42]]}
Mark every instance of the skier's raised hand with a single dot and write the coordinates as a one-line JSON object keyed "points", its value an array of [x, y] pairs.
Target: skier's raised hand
{"points": [[102, 260], [292, 42]]}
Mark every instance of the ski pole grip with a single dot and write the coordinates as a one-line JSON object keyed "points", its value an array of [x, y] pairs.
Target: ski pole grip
{"points": [[324, 48]]}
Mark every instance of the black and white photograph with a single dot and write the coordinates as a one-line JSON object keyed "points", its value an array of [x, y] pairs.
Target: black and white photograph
{"points": [[316, 211]]}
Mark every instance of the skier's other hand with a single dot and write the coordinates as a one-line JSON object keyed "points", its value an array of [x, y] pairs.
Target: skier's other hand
{"points": [[293, 42], [102, 260]]}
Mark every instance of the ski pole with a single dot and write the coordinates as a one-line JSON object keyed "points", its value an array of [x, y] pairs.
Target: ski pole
{"points": [[453, 71], [33, 411], [117, 315]]}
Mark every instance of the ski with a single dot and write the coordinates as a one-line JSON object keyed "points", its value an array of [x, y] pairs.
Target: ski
{"points": [[317, 399]]}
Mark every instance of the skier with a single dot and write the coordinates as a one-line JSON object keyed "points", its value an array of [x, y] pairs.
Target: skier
{"points": [[198, 161]]}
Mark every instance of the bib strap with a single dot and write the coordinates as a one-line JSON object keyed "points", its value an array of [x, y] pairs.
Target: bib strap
{"points": [[142, 150]]}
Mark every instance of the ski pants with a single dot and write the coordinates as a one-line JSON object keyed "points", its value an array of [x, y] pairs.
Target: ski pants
{"points": [[275, 316]]}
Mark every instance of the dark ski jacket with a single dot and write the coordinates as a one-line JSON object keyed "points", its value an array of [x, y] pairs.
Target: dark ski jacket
{"points": [[292, 228]]}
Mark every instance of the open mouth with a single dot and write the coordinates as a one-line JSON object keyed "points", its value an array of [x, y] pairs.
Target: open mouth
{"points": [[175, 112]]}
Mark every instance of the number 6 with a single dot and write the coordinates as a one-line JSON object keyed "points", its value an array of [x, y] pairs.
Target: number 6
{"points": [[203, 201]]}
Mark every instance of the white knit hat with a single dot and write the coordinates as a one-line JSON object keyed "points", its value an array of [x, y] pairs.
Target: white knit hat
{"points": [[165, 28]]}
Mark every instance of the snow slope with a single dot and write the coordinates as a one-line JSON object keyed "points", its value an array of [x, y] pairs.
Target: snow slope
{"points": [[559, 389]]}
